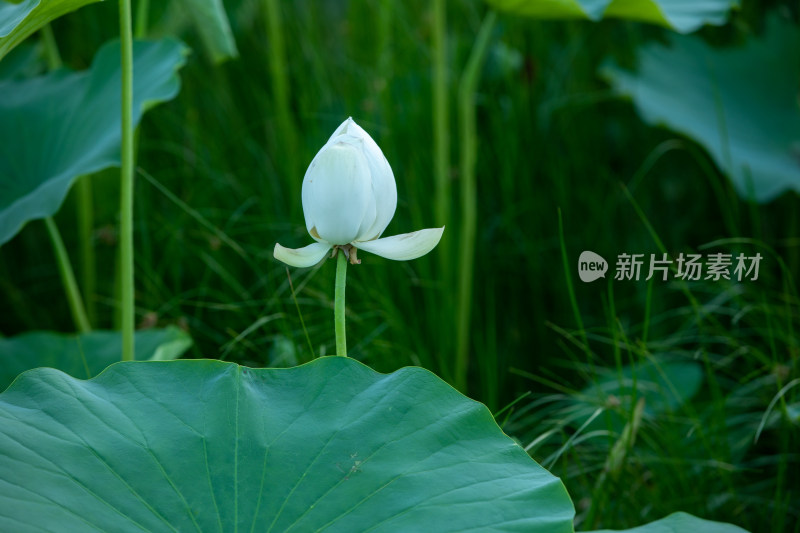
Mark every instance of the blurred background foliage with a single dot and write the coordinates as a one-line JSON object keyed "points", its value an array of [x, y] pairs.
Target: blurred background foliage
{"points": [[219, 183]]}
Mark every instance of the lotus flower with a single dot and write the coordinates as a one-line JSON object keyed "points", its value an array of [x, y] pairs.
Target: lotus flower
{"points": [[349, 197]]}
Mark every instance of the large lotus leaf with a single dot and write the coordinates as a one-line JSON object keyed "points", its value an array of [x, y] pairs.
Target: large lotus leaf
{"points": [[57, 127], [739, 103], [680, 15], [664, 385], [84, 355], [18, 20], [680, 523], [24, 61], [210, 20], [212, 446]]}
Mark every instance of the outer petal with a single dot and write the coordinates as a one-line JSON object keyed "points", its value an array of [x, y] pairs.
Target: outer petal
{"points": [[337, 193], [304, 257], [384, 188], [342, 129], [405, 246]]}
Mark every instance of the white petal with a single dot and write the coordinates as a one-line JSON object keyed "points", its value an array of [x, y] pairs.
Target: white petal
{"points": [[304, 257], [405, 246], [384, 188], [337, 194], [342, 129]]}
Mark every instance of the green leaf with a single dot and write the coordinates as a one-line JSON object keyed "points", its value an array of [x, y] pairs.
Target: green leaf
{"points": [[84, 355], [60, 126], [679, 523], [211, 446], [17, 21], [23, 62], [210, 20], [664, 385], [739, 103], [683, 16]]}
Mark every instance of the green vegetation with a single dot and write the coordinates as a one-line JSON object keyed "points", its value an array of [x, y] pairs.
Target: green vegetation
{"points": [[531, 139]]}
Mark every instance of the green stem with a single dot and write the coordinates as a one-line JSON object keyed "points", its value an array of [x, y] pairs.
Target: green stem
{"points": [[85, 210], [68, 278], [385, 25], [142, 14], [126, 183], [441, 139], [443, 189], [338, 303], [286, 132], [469, 194], [50, 48]]}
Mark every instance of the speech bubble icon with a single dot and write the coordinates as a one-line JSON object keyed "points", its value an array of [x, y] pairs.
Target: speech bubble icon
{"points": [[591, 266]]}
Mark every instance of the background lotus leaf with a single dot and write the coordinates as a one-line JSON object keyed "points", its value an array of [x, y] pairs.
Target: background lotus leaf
{"points": [[682, 16], [739, 103], [19, 20], [84, 355], [65, 115], [664, 385], [210, 20], [680, 523]]}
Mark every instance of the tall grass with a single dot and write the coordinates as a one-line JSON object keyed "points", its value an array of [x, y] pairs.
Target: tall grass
{"points": [[218, 184], [708, 455]]}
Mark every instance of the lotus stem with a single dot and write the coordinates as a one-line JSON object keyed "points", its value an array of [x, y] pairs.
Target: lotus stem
{"points": [[441, 138], [338, 303], [126, 184], [142, 14], [52, 56], [85, 228], [469, 195], [68, 278], [279, 81]]}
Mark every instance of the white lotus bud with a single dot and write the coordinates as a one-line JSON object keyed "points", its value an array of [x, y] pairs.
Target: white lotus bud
{"points": [[349, 197], [349, 193]]}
